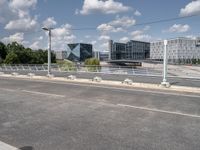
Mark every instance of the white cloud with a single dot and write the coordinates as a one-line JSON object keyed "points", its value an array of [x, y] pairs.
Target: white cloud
{"points": [[49, 22], [117, 25], [137, 13], [140, 35], [192, 8], [22, 7], [191, 37], [22, 4], [76, 12], [103, 6], [35, 45], [5, 12], [62, 36], [88, 36], [22, 24], [41, 38], [179, 28], [64, 30], [104, 46], [17, 37], [104, 37], [93, 42], [124, 39], [106, 28], [123, 22]]}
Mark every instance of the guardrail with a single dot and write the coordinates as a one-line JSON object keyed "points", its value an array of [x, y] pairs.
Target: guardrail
{"points": [[87, 69], [117, 70]]}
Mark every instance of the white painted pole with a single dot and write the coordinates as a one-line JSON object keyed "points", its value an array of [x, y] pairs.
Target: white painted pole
{"points": [[165, 61], [49, 54]]}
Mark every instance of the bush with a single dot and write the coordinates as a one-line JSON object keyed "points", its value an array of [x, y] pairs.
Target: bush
{"points": [[66, 65], [93, 64]]}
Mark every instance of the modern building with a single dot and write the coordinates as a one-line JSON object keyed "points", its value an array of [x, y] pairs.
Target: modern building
{"points": [[61, 55], [179, 50], [79, 52], [132, 50], [102, 56]]}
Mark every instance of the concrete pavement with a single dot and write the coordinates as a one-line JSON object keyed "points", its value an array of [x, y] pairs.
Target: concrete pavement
{"points": [[55, 116]]}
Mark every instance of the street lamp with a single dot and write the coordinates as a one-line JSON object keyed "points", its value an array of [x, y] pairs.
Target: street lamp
{"points": [[49, 50], [165, 60]]}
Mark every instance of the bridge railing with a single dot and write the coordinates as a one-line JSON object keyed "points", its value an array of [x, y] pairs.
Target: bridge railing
{"points": [[87, 69]]}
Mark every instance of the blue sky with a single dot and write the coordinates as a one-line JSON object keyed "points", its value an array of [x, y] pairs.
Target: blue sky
{"points": [[21, 20]]}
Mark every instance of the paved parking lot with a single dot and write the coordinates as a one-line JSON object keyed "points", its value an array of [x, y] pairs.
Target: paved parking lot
{"points": [[57, 116]]}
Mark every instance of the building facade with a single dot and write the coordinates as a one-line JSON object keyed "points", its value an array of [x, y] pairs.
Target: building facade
{"points": [[179, 50], [132, 50], [79, 52], [102, 56], [61, 55]]}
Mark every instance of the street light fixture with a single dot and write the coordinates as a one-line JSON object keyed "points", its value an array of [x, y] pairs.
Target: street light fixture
{"points": [[49, 50]]}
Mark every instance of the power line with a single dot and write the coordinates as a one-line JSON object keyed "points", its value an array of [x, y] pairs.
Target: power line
{"points": [[145, 23]]}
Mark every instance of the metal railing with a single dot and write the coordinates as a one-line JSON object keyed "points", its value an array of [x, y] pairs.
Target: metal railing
{"points": [[118, 70], [87, 69]]}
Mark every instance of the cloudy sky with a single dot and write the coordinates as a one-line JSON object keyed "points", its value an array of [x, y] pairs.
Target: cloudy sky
{"points": [[22, 20]]}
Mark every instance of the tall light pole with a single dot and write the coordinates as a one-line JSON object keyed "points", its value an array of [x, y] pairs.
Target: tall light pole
{"points": [[165, 60], [49, 50]]}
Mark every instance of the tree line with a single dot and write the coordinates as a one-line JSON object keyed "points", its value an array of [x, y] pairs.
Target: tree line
{"points": [[15, 53]]}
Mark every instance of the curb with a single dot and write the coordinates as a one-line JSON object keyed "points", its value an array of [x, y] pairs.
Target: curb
{"points": [[110, 83]]}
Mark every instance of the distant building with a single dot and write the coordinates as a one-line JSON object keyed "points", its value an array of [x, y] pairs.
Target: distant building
{"points": [[179, 50], [61, 55], [79, 52], [132, 50], [102, 56]]}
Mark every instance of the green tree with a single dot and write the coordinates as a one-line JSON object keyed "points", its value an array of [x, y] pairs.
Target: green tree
{"points": [[93, 64], [3, 51], [12, 58]]}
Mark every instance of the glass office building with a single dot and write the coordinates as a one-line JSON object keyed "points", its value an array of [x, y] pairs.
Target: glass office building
{"points": [[79, 52], [132, 50]]}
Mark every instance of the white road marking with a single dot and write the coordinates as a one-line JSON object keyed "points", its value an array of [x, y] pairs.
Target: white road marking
{"points": [[159, 111], [114, 88], [9, 90], [41, 93], [124, 89], [4, 146]]}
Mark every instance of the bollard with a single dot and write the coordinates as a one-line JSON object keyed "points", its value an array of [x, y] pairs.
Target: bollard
{"points": [[128, 81], [14, 74], [30, 74], [97, 79], [71, 77]]}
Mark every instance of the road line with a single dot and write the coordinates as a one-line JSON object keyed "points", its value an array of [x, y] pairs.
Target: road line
{"points": [[159, 110], [113, 88], [9, 90], [4, 146], [124, 89], [41, 93]]}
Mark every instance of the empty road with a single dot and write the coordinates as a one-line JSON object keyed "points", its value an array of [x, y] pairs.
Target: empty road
{"points": [[50, 115]]}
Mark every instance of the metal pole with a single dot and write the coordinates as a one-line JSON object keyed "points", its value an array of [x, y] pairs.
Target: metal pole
{"points": [[49, 54], [165, 60]]}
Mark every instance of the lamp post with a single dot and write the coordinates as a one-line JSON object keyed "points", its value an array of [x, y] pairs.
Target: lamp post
{"points": [[49, 50], [165, 60]]}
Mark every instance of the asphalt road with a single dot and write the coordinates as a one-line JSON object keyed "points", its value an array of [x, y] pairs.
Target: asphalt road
{"points": [[142, 79], [48, 115]]}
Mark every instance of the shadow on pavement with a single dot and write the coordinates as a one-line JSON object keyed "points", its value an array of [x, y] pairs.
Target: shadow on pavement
{"points": [[27, 148]]}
